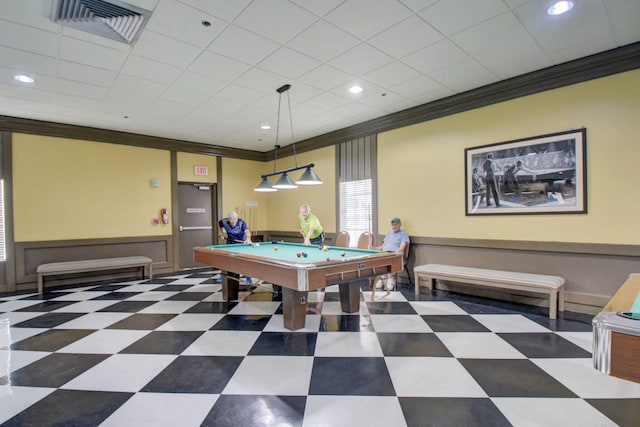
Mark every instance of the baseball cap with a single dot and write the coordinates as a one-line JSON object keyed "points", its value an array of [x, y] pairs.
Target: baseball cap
{"points": [[395, 219]]}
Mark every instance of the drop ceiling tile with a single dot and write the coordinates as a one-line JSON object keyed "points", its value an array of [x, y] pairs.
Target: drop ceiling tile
{"points": [[223, 9], [514, 58], [435, 56], [363, 20], [183, 96], [91, 54], [162, 108], [388, 102], [319, 8], [434, 95], [452, 16], [261, 80], [281, 26], [406, 37], [42, 82], [416, 87], [33, 13], [490, 34], [580, 49], [300, 92], [80, 89], [150, 70], [326, 77], [27, 38], [323, 41], [218, 66], [165, 49], [68, 104], [361, 59], [86, 73], [327, 101], [26, 93], [464, 75], [95, 39], [216, 108], [27, 62], [240, 94], [289, 63], [199, 83], [137, 86], [240, 44], [359, 111], [391, 74], [184, 23], [418, 5], [624, 16]]}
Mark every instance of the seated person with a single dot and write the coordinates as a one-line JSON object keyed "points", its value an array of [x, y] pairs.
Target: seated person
{"points": [[395, 240]]}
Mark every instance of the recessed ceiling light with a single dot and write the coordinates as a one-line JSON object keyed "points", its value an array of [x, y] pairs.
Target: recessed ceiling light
{"points": [[265, 127], [560, 7], [355, 89], [23, 79]]}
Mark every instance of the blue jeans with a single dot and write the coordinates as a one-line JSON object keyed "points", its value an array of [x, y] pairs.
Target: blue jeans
{"points": [[318, 240]]}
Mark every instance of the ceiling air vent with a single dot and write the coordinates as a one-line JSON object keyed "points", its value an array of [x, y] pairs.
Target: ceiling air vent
{"points": [[114, 19]]}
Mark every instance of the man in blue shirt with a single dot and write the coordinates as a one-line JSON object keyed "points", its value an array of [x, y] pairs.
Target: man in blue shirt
{"points": [[234, 229], [395, 240]]}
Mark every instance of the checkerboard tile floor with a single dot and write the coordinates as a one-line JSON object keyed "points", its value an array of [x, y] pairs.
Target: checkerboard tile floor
{"points": [[170, 351]]}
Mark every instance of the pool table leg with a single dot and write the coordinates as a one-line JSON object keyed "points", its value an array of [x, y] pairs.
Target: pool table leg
{"points": [[350, 297], [294, 308], [230, 285]]}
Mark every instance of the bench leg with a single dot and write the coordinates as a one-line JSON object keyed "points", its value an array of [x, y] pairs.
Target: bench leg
{"points": [[561, 299], [553, 304], [40, 283], [417, 284]]}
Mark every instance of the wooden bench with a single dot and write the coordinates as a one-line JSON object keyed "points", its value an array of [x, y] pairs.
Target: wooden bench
{"points": [[536, 283], [70, 267]]}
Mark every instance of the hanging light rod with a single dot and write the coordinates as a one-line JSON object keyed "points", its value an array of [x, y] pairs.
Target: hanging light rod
{"points": [[308, 177]]}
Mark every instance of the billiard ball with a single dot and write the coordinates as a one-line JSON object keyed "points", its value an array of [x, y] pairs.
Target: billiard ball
{"points": [[342, 253], [325, 248], [275, 248], [304, 254], [298, 254], [328, 259], [257, 244]]}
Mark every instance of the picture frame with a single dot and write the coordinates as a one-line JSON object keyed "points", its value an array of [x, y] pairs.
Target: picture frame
{"points": [[543, 174]]}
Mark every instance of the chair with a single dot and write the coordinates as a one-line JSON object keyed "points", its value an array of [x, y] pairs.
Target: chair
{"points": [[342, 239], [365, 241], [382, 278]]}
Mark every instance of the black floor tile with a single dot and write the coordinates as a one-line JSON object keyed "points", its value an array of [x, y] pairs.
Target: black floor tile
{"points": [[47, 306], [538, 345], [567, 322], [189, 296], [195, 374], [345, 323], [220, 307], [127, 306], [454, 323], [256, 411], [284, 344], [115, 296], [355, 376], [514, 378], [242, 322], [51, 340], [624, 412], [390, 308], [144, 321], [451, 412], [109, 288], [163, 342], [49, 320], [412, 344], [54, 370], [70, 408], [173, 288]]}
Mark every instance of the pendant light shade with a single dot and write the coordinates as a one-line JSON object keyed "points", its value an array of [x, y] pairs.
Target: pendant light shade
{"points": [[284, 183], [309, 177], [265, 186]]}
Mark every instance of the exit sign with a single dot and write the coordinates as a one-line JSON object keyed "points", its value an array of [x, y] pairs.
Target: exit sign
{"points": [[201, 170]]}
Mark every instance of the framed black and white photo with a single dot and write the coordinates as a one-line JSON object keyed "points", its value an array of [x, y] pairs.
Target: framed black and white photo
{"points": [[539, 175]]}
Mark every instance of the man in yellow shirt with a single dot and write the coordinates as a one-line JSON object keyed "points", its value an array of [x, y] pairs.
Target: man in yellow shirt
{"points": [[310, 226]]}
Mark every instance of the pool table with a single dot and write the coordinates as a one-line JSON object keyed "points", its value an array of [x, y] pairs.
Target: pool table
{"points": [[279, 263]]}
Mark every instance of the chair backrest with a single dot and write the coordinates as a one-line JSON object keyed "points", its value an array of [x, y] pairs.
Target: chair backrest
{"points": [[406, 252], [365, 240], [342, 239]]}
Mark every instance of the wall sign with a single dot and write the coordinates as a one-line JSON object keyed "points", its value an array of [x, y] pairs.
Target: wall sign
{"points": [[201, 170]]}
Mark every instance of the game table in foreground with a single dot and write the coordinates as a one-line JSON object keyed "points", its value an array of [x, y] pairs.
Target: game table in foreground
{"points": [[279, 264]]}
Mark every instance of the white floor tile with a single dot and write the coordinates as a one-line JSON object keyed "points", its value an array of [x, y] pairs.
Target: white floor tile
{"points": [[14, 400], [188, 281], [80, 296], [431, 377], [261, 375], [204, 288], [222, 343], [276, 324], [104, 341], [18, 359], [162, 409], [399, 323], [350, 411], [191, 322], [509, 323], [255, 307], [436, 307], [583, 379], [19, 334], [478, 345], [169, 307], [333, 307], [94, 320], [121, 372], [17, 305], [582, 339], [16, 317], [16, 297], [348, 344], [214, 297], [86, 306], [140, 287], [539, 412], [381, 296]]}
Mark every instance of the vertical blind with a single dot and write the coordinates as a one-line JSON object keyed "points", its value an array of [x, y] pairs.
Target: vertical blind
{"points": [[356, 166], [3, 252]]}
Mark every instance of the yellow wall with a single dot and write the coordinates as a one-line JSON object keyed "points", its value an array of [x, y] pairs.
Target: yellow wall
{"points": [[70, 189], [187, 163], [421, 167], [284, 204], [239, 177]]}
